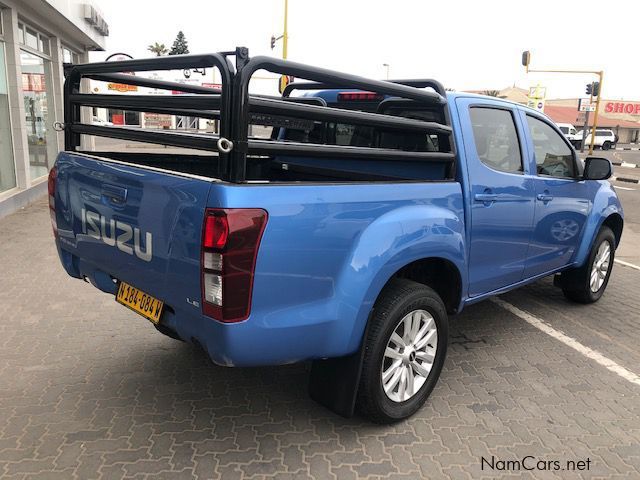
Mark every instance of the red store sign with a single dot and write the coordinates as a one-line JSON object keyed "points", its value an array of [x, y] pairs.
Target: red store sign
{"points": [[33, 82], [622, 107]]}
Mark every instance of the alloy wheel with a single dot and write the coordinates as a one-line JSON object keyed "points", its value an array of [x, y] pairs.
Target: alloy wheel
{"points": [[600, 267], [409, 355]]}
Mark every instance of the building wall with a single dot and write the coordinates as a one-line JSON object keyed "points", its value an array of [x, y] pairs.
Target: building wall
{"points": [[623, 117], [628, 135], [31, 89], [74, 12]]}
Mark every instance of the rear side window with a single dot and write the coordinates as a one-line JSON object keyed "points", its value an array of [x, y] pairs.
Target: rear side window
{"points": [[553, 156], [564, 130], [343, 134], [496, 139]]}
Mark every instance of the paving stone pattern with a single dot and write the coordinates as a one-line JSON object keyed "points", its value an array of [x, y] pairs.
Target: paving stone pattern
{"points": [[89, 390]]}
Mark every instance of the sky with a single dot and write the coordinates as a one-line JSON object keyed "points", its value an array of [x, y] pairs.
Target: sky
{"points": [[467, 45]]}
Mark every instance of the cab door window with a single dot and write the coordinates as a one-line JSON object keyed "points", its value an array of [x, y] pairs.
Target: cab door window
{"points": [[554, 158], [496, 139]]}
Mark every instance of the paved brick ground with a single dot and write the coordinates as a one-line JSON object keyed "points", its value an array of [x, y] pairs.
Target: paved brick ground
{"points": [[90, 390]]}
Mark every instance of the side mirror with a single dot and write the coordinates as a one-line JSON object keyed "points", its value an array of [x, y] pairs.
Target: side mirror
{"points": [[596, 168]]}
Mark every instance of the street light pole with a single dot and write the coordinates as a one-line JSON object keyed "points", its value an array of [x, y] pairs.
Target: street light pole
{"points": [[387, 67]]}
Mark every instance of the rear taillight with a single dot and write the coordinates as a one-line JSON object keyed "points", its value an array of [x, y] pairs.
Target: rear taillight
{"points": [[359, 97], [51, 185], [230, 241]]}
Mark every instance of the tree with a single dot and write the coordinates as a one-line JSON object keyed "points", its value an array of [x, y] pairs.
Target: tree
{"points": [[491, 93], [158, 48], [180, 46]]}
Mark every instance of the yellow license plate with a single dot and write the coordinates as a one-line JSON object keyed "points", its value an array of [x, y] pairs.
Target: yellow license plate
{"points": [[138, 301]]}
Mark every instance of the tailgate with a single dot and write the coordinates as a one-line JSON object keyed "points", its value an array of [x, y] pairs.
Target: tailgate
{"points": [[142, 226]]}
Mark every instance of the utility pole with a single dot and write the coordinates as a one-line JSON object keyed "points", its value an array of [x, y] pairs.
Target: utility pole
{"points": [[584, 131]]}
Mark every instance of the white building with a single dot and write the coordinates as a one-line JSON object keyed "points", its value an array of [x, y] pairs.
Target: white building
{"points": [[36, 38]]}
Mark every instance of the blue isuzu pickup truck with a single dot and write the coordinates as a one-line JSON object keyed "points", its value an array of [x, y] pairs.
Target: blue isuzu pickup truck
{"points": [[367, 213]]}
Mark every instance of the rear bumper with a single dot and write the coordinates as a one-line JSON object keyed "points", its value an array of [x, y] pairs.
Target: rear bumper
{"points": [[262, 339]]}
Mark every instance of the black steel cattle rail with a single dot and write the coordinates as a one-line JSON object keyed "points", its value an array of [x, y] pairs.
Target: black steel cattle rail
{"points": [[237, 109]]}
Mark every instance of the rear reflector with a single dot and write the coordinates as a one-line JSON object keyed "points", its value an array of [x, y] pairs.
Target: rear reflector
{"points": [[359, 96], [230, 241]]}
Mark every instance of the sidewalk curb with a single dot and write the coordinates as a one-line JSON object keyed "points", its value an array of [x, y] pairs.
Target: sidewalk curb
{"points": [[625, 164], [627, 180]]}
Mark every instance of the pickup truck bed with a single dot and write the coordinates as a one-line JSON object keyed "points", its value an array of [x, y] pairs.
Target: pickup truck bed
{"points": [[296, 169], [372, 211]]}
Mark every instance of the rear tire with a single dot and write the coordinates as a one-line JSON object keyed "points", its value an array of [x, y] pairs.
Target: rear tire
{"points": [[409, 322], [588, 283], [606, 145]]}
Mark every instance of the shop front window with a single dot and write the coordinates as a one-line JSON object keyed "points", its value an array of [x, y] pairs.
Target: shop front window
{"points": [[31, 38], [36, 84], [7, 164], [69, 56], [122, 117]]}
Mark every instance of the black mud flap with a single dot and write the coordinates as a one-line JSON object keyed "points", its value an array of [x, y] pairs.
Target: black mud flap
{"points": [[558, 281], [334, 382]]}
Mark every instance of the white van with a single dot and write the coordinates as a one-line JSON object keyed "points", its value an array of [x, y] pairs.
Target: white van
{"points": [[567, 130]]}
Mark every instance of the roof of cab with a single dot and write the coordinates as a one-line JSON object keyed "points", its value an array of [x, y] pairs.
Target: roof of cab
{"points": [[331, 96]]}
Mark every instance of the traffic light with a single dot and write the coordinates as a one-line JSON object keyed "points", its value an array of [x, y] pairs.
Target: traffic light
{"points": [[589, 90], [596, 89], [526, 58], [273, 42]]}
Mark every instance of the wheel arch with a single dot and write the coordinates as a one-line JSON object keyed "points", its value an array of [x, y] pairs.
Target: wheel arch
{"points": [[334, 382], [438, 273], [616, 223], [606, 210]]}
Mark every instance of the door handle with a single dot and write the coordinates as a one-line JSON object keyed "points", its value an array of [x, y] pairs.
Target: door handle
{"points": [[544, 197], [114, 194], [485, 197]]}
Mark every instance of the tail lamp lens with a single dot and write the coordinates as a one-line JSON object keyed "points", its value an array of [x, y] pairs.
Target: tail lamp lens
{"points": [[216, 231], [213, 288], [212, 261], [230, 242]]}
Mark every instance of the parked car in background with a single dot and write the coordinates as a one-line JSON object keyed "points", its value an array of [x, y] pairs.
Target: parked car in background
{"points": [[567, 130], [571, 134], [605, 139]]}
